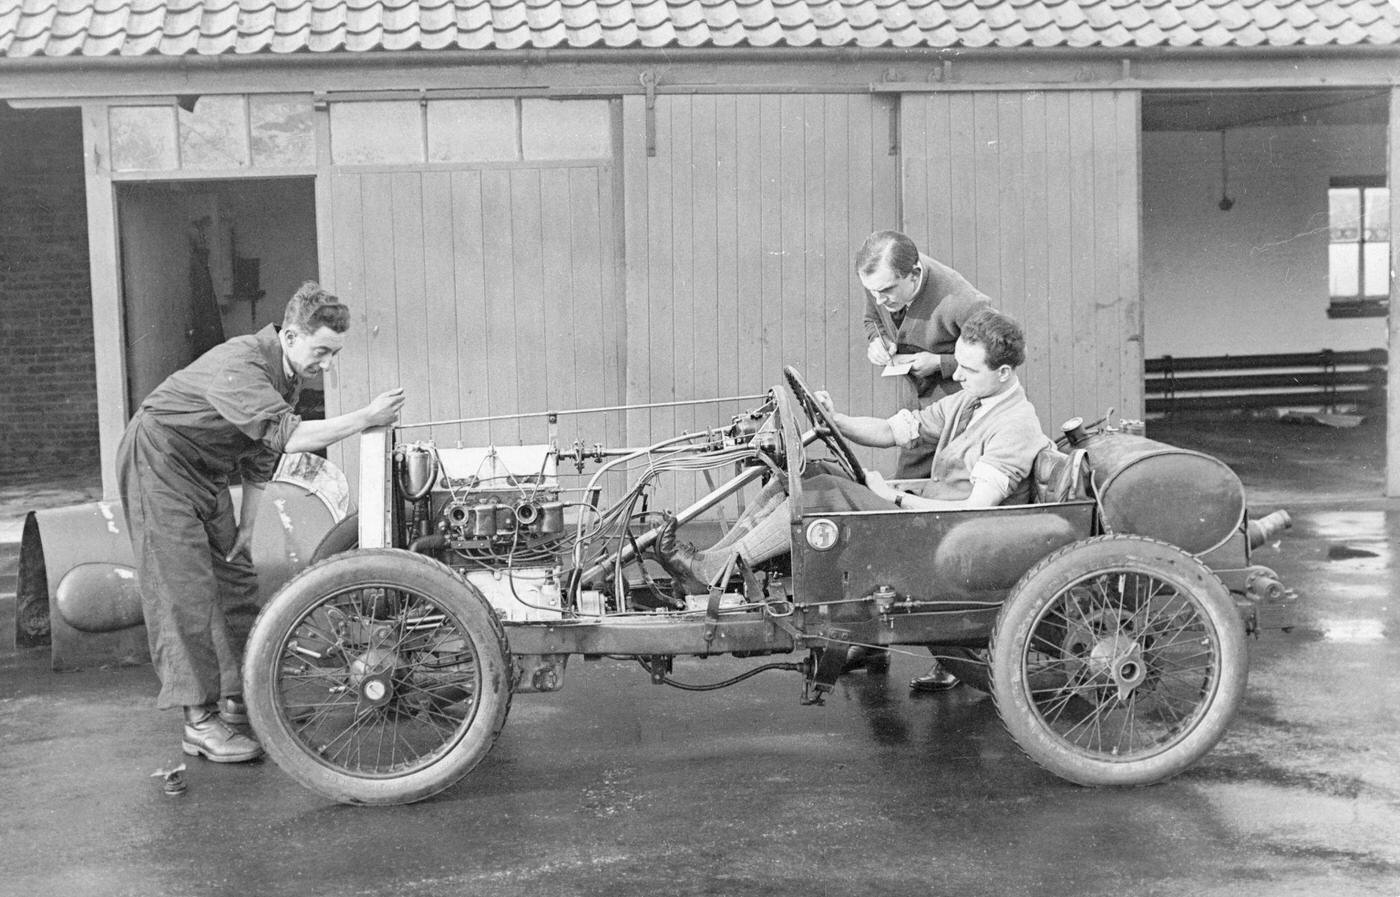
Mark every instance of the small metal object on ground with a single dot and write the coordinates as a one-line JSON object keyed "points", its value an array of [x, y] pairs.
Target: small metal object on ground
{"points": [[174, 779]]}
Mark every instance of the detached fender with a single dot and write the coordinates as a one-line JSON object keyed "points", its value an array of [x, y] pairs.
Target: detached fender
{"points": [[77, 587]]}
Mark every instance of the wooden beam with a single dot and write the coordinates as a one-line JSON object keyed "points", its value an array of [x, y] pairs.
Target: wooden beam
{"points": [[819, 70], [107, 316], [1392, 425]]}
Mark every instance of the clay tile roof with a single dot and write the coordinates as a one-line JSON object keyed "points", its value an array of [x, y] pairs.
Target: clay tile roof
{"points": [[30, 28]]}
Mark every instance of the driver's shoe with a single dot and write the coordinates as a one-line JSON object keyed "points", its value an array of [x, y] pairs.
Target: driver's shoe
{"points": [[207, 735], [679, 558], [938, 678]]}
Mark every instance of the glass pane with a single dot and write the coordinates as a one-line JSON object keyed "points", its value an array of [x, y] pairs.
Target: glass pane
{"points": [[215, 134], [1344, 213], [143, 137], [471, 131], [284, 130], [566, 129], [1343, 278], [1377, 219], [376, 133], [1377, 269]]}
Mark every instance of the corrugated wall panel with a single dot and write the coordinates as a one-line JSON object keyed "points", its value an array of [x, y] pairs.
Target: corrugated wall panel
{"points": [[1034, 197]]}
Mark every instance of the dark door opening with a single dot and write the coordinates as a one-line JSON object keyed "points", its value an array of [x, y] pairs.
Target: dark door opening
{"points": [[203, 261]]}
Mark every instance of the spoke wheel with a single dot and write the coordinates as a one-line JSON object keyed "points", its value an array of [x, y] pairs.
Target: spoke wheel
{"points": [[1118, 661], [377, 677]]}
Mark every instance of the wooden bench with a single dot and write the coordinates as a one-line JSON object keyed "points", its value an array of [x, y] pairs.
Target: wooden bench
{"points": [[1307, 379]]}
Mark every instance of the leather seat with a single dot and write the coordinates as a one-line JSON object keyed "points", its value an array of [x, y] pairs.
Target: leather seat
{"points": [[1058, 476]]}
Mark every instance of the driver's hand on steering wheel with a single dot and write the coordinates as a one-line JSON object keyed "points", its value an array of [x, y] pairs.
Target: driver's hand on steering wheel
{"points": [[823, 398]]}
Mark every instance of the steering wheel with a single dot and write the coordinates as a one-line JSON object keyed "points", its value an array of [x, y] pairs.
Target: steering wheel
{"points": [[824, 426]]}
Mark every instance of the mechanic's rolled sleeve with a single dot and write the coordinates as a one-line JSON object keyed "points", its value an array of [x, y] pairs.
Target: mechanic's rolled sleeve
{"points": [[259, 412]]}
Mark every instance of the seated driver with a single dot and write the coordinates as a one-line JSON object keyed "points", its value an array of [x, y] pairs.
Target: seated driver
{"points": [[987, 438]]}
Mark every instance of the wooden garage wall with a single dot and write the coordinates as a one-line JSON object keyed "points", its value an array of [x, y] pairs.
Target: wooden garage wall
{"points": [[481, 291], [1034, 197], [740, 231]]}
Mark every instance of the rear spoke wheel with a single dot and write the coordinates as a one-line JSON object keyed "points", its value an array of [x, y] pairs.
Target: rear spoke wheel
{"points": [[1118, 660]]}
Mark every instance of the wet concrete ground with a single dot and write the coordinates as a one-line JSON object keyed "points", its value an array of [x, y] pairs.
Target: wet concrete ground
{"points": [[618, 787]]}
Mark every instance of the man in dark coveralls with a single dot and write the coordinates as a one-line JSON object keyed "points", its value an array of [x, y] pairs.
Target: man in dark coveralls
{"points": [[230, 410], [915, 307]]}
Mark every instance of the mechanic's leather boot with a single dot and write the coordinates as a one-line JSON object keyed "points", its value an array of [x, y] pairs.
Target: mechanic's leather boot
{"points": [[207, 735], [936, 679], [678, 558], [233, 711]]}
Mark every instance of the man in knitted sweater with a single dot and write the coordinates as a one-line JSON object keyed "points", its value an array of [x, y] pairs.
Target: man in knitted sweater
{"points": [[915, 308], [987, 438]]}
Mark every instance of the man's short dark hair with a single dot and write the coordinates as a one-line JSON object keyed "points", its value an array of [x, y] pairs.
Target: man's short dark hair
{"points": [[887, 246], [999, 336], [313, 308]]}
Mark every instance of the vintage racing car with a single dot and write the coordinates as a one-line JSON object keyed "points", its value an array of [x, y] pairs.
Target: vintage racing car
{"points": [[1111, 614]]}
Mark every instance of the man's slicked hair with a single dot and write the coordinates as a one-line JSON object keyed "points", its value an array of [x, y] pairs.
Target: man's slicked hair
{"points": [[887, 246], [999, 336], [313, 308]]}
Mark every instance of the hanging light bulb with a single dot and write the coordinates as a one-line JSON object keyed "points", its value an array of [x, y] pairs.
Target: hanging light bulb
{"points": [[1226, 203]]}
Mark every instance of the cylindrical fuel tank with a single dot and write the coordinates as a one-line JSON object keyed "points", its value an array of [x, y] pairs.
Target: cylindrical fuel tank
{"points": [[1148, 488]]}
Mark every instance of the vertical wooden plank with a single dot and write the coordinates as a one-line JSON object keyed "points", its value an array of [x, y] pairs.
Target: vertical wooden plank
{"points": [[350, 377], [587, 228], [1081, 227], [962, 186], [917, 166], [347, 205], [1036, 230], [792, 151], [1392, 379], [440, 305], [108, 328], [557, 359], [634, 326], [1011, 199], [729, 336], [863, 147], [377, 247], [1061, 345], [840, 324], [811, 253], [1107, 310], [498, 243], [537, 331], [410, 299], [680, 355], [888, 201], [709, 352], [468, 230], [751, 293], [654, 348], [986, 209], [1128, 159], [769, 235]]}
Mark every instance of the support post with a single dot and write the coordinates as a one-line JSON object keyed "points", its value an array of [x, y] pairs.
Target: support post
{"points": [[1392, 377]]}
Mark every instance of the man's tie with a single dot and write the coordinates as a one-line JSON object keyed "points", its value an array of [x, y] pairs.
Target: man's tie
{"points": [[965, 417]]}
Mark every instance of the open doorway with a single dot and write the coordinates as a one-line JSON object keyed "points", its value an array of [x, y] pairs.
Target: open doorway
{"points": [[203, 261]]}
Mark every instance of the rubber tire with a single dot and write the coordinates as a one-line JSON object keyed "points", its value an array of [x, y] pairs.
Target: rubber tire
{"points": [[392, 568], [1042, 584], [344, 536]]}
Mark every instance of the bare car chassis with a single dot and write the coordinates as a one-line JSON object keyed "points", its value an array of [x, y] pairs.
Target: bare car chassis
{"points": [[1111, 616]]}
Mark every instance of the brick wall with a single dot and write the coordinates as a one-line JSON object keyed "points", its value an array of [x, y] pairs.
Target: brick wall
{"points": [[48, 398]]}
